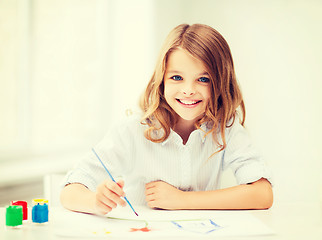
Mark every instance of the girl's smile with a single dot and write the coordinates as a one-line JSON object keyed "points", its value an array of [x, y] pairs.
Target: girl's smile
{"points": [[186, 85], [189, 103]]}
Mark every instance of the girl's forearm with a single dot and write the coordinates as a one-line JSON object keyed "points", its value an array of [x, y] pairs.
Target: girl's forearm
{"points": [[257, 195], [78, 198]]}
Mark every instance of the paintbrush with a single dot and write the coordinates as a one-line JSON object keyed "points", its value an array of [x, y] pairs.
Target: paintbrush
{"points": [[113, 180]]}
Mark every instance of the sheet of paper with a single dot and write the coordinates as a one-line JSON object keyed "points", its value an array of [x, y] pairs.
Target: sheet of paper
{"points": [[122, 223]]}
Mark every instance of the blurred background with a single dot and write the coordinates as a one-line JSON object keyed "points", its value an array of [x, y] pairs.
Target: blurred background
{"points": [[69, 68]]}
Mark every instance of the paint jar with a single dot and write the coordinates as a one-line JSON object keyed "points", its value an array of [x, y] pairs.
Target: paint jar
{"points": [[14, 216], [40, 213], [24, 208]]}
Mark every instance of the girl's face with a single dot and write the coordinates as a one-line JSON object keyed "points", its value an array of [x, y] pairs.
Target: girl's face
{"points": [[186, 85]]}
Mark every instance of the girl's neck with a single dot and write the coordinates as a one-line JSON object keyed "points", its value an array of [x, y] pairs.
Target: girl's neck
{"points": [[184, 128]]}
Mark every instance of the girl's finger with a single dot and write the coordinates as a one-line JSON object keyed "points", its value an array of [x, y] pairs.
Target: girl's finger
{"points": [[148, 192], [102, 208], [120, 183], [114, 187], [113, 197]]}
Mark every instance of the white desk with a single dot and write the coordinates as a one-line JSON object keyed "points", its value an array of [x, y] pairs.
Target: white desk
{"points": [[290, 221]]}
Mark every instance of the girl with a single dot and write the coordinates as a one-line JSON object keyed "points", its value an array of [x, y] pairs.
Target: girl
{"points": [[173, 157]]}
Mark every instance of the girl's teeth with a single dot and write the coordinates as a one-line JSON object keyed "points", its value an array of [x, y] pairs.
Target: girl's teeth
{"points": [[188, 102]]}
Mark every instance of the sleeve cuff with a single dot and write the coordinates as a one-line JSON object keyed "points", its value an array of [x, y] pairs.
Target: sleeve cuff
{"points": [[75, 177], [252, 173]]}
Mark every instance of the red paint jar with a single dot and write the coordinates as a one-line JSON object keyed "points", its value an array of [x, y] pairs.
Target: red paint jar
{"points": [[24, 208]]}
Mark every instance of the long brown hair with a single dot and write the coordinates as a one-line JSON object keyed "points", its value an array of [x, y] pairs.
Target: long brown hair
{"points": [[207, 45]]}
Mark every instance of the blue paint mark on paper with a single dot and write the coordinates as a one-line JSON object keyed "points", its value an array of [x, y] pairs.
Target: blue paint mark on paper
{"points": [[199, 226]]}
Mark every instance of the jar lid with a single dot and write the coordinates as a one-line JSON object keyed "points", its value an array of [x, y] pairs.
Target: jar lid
{"points": [[40, 201]]}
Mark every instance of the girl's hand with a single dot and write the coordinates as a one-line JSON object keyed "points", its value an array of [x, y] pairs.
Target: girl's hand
{"points": [[108, 196], [160, 194]]}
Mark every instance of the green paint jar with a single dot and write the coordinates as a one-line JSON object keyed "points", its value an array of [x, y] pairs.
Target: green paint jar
{"points": [[14, 216]]}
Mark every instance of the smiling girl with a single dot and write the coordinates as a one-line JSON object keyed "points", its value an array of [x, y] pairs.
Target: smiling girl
{"points": [[191, 130]]}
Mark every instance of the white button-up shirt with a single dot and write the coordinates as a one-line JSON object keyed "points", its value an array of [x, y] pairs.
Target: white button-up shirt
{"points": [[191, 167]]}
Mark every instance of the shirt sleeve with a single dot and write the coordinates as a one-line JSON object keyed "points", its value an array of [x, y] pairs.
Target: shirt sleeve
{"points": [[113, 153], [243, 158]]}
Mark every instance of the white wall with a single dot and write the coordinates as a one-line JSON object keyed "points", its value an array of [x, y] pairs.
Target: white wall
{"points": [[277, 51], [133, 44], [56, 56]]}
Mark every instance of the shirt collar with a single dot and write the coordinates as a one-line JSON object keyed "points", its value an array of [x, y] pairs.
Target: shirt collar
{"points": [[174, 137]]}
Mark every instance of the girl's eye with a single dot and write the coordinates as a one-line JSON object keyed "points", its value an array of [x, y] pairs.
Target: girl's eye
{"points": [[204, 79], [176, 78]]}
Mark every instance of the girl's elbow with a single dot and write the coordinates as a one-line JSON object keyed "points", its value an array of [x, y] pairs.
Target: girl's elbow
{"points": [[266, 197], [63, 197], [263, 194], [267, 201], [67, 195], [270, 198]]}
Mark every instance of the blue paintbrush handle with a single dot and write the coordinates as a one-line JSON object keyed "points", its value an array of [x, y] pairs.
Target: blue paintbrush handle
{"points": [[113, 179]]}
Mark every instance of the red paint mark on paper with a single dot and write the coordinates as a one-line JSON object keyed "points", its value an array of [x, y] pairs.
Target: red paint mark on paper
{"points": [[145, 229]]}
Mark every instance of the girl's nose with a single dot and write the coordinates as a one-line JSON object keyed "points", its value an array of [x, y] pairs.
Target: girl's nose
{"points": [[188, 89], [188, 93]]}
